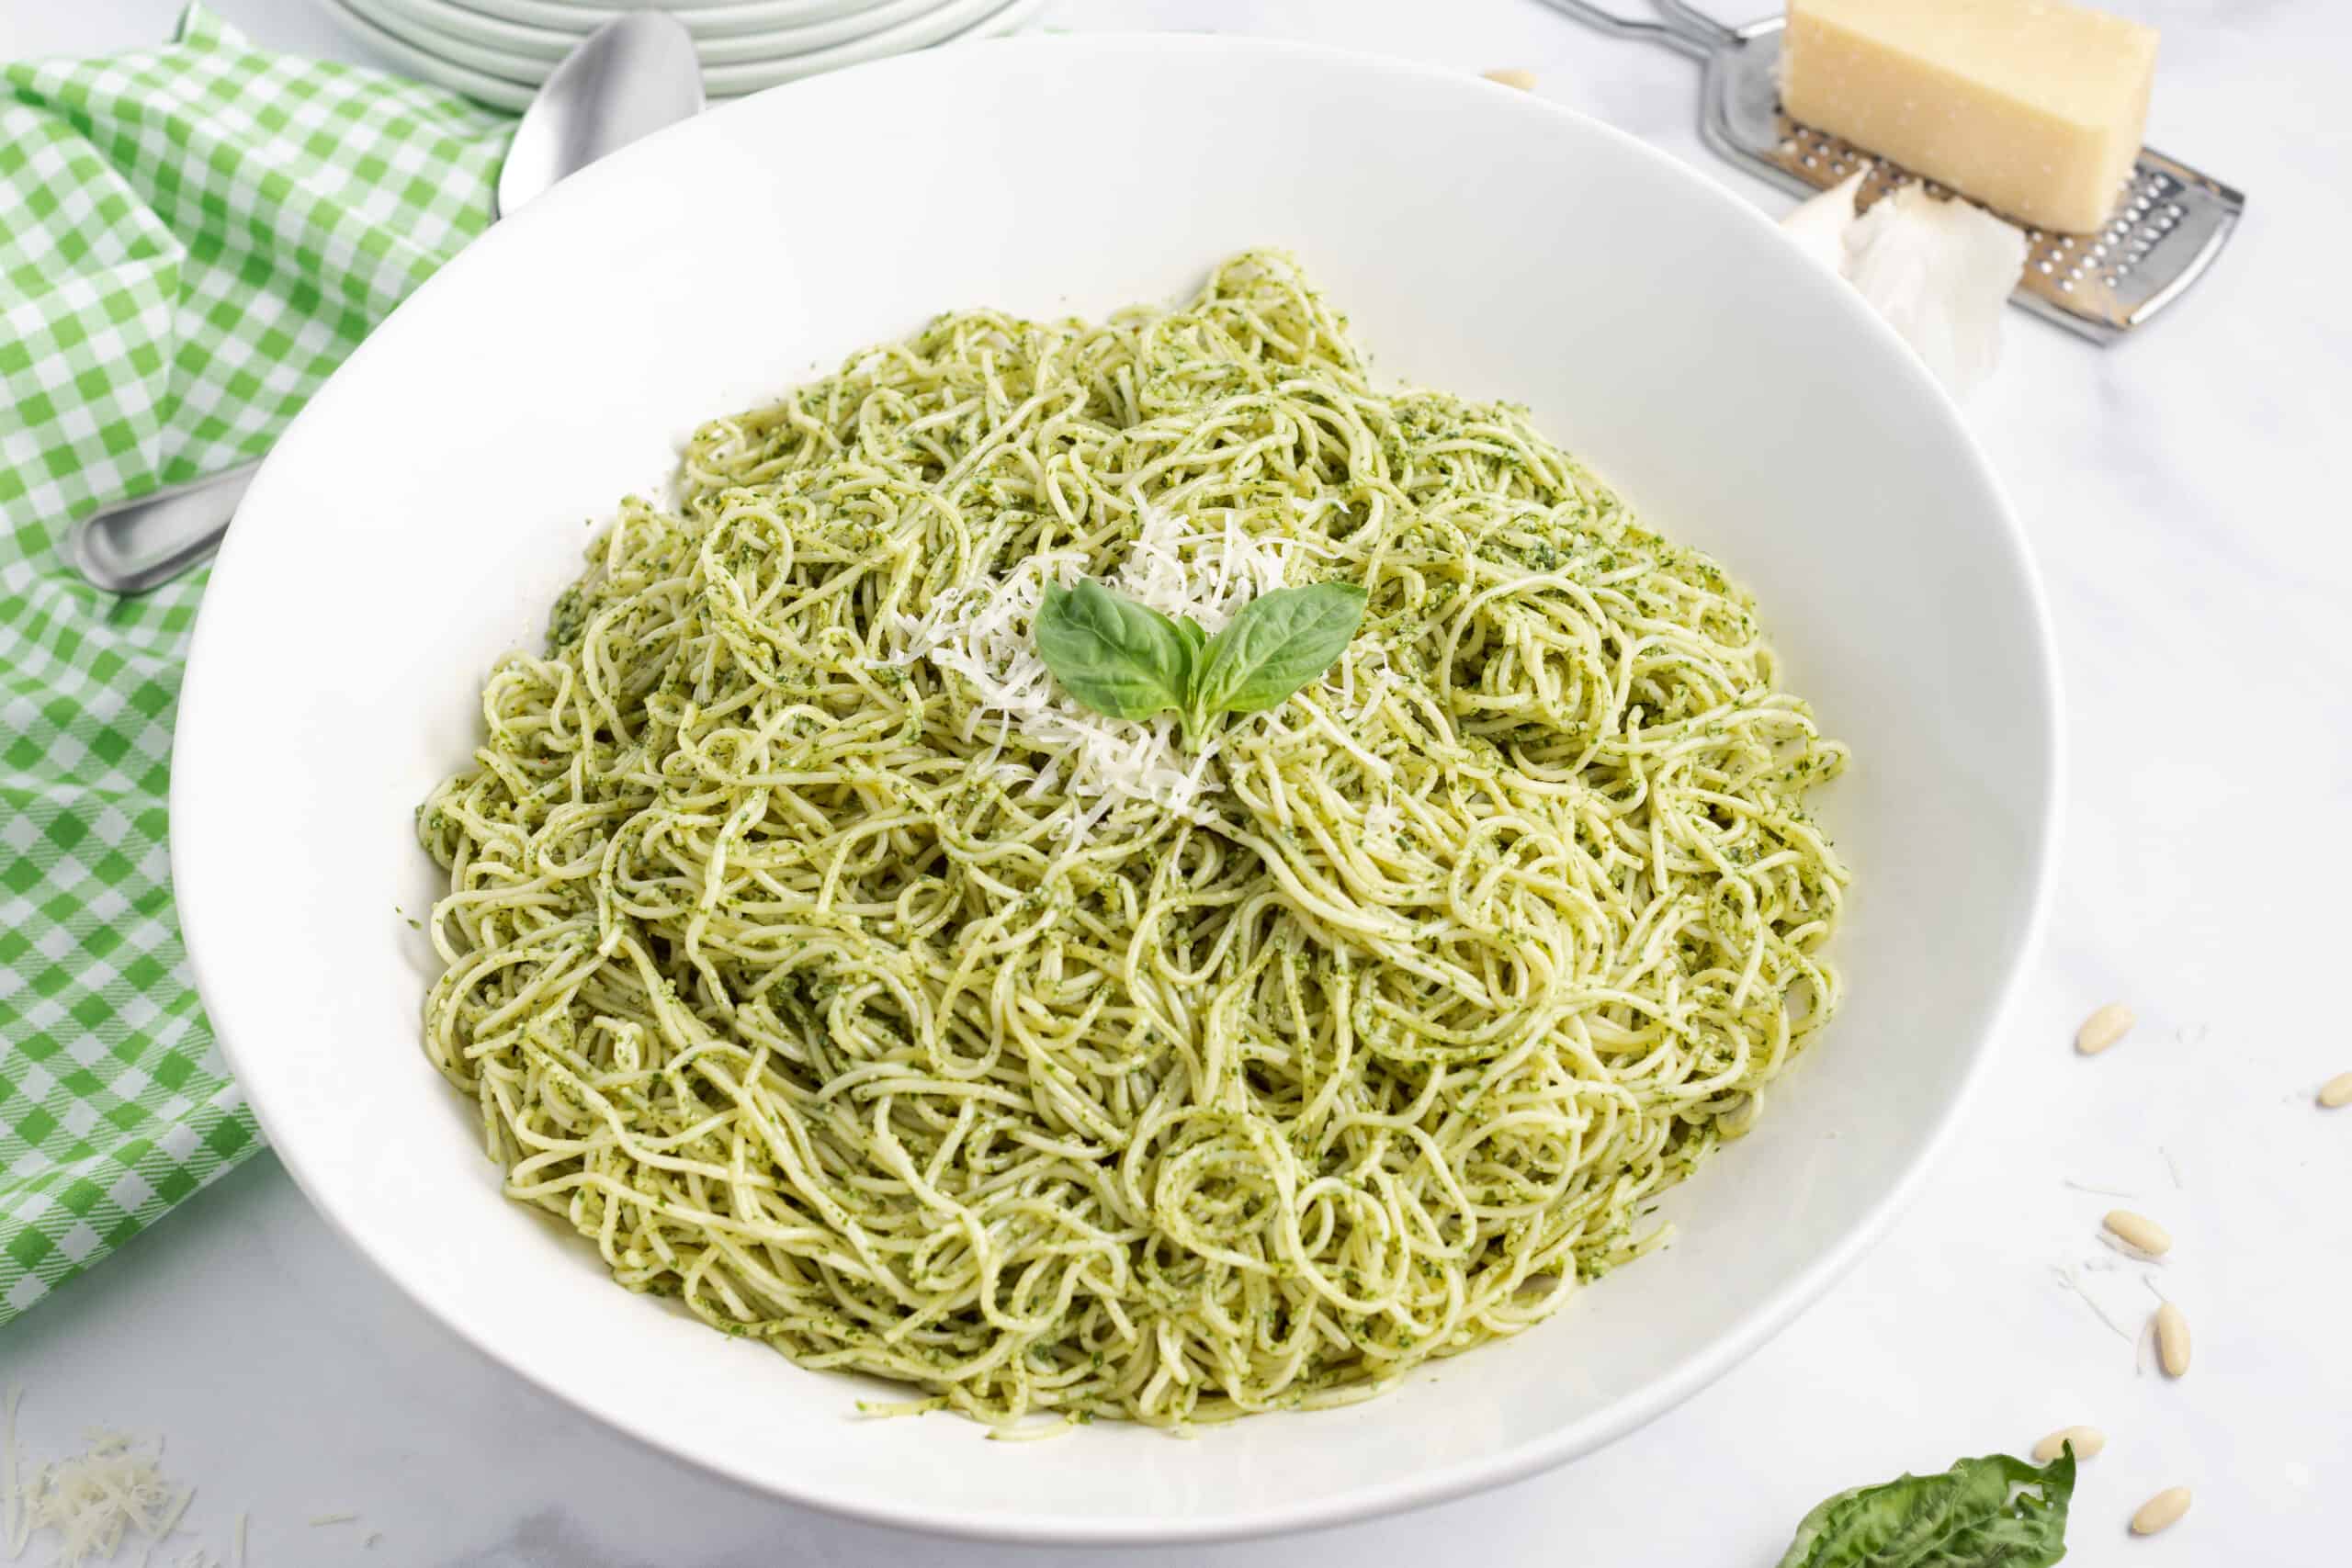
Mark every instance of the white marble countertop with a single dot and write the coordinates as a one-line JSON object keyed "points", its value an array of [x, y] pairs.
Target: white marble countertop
{"points": [[2185, 500]]}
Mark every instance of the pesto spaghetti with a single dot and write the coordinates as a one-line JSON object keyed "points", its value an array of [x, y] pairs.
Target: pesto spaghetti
{"points": [[830, 968]]}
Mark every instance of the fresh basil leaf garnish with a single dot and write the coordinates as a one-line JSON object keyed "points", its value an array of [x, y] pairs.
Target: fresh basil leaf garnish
{"points": [[1128, 661], [1279, 642], [1117, 657], [1994, 1512]]}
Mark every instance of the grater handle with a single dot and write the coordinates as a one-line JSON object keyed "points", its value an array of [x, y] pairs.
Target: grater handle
{"points": [[1680, 27]]}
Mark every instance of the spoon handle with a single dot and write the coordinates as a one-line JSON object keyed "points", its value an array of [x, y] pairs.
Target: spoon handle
{"points": [[134, 545]]}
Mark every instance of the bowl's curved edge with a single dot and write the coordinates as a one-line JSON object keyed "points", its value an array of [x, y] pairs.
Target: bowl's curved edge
{"points": [[1764, 1321]]}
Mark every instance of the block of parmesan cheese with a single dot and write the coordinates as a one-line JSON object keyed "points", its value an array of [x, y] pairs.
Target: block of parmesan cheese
{"points": [[2032, 107]]}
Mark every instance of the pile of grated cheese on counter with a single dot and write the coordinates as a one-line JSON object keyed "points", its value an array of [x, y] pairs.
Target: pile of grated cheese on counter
{"points": [[115, 1491]]}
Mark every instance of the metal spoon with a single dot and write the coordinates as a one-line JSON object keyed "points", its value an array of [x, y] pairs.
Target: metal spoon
{"points": [[628, 79]]}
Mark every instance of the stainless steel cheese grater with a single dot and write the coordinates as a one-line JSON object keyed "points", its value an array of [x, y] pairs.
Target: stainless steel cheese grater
{"points": [[2169, 223]]}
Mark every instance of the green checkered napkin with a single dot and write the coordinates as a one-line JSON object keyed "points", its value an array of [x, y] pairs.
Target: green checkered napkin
{"points": [[191, 238]]}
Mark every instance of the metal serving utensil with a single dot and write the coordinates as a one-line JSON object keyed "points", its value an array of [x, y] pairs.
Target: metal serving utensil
{"points": [[628, 79], [2169, 223]]}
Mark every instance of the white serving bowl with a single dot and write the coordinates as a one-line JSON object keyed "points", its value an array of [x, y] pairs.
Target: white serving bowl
{"points": [[702, 17], [709, 19], [713, 19], [602, 11], [440, 23], [422, 512], [506, 80]]}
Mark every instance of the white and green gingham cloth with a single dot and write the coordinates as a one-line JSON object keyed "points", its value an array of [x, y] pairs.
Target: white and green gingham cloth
{"points": [[191, 238]]}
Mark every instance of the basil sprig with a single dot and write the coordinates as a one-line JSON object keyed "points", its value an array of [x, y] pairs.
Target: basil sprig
{"points": [[1994, 1512], [1117, 657], [1127, 660]]}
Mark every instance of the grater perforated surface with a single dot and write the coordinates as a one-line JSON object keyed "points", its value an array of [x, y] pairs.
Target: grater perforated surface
{"points": [[2169, 223], [2169, 220]]}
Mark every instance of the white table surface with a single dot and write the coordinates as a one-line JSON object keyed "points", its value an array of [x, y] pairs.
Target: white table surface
{"points": [[2186, 499]]}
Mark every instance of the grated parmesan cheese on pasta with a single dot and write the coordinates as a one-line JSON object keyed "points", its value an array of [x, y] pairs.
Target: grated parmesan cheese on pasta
{"points": [[982, 631]]}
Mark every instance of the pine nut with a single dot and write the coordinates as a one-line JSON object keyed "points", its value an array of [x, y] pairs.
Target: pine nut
{"points": [[2103, 1028], [2088, 1441], [2172, 1339], [2336, 1091], [1512, 77], [2139, 1231], [2161, 1512]]}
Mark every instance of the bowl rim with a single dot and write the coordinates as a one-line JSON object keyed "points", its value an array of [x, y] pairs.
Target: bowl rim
{"points": [[1759, 1324], [519, 41]]}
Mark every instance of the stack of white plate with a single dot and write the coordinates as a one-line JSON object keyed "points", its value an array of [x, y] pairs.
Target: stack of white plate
{"points": [[498, 51]]}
